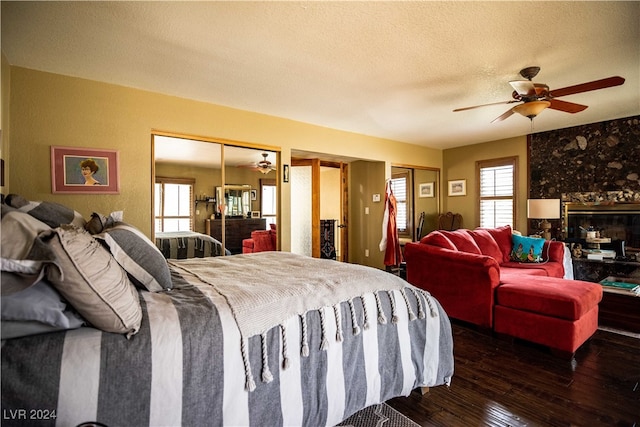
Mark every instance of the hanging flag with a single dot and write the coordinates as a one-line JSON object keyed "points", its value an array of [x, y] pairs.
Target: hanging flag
{"points": [[390, 243]]}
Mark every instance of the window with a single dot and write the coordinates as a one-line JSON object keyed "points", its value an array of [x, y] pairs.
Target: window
{"points": [[399, 185], [497, 180], [173, 208], [268, 200]]}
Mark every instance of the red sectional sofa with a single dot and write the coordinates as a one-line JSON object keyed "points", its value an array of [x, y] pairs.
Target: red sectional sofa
{"points": [[473, 275]]}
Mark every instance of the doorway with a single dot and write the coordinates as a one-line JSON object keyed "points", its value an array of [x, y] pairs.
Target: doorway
{"points": [[319, 208], [421, 191]]}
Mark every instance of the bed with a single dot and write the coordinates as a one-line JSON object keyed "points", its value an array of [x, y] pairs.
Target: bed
{"points": [[187, 244], [269, 338]]}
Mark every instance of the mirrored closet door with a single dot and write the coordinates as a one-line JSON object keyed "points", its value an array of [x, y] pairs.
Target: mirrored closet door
{"points": [[211, 198]]}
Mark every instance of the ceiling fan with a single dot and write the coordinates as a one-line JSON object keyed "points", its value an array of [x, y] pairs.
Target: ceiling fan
{"points": [[264, 166], [535, 97]]}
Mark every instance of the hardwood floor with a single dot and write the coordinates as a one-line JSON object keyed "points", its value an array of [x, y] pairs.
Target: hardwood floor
{"points": [[504, 382]]}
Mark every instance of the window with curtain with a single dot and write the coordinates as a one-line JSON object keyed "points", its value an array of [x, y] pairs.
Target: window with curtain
{"points": [[497, 181], [399, 184], [173, 204]]}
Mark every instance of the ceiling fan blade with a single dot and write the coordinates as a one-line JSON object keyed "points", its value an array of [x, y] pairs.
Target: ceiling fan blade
{"points": [[505, 115], [511, 101], [567, 107], [586, 87], [523, 87]]}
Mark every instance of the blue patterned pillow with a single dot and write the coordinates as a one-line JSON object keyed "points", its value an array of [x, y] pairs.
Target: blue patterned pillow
{"points": [[526, 249]]}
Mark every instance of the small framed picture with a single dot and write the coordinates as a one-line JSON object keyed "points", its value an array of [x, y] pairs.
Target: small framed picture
{"points": [[458, 187], [255, 214], [426, 189], [254, 194], [84, 171]]}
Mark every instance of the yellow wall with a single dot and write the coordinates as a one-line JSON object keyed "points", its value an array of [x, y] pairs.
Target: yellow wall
{"points": [[49, 109], [365, 230], [460, 163], [429, 205]]}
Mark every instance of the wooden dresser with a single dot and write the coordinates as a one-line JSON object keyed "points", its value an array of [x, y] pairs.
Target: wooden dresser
{"points": [[236, 230]]}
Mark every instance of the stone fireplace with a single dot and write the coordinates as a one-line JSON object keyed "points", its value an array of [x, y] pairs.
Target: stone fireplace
{"points": [[596, 164], [595, 170]]}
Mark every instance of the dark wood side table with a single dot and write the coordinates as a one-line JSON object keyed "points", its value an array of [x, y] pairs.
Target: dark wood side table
{"points": [[618, 309]]}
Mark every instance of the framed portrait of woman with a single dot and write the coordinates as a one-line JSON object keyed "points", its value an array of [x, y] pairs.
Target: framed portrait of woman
{"points": [[84, 171]]}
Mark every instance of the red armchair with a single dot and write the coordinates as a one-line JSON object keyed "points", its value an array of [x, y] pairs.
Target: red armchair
{"points": [[260, 241]]}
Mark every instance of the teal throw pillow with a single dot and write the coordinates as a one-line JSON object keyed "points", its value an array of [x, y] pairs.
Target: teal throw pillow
{"points": [[526, 249]]}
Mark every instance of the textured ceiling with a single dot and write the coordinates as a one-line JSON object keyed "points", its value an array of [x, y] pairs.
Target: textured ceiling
{"points": [[394, 69]]}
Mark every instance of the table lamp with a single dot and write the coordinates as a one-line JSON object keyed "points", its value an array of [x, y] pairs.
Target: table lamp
{"points": [[544, 209]]}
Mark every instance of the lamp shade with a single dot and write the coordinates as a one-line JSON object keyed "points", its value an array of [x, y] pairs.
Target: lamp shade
{"points": [[543, 208], [532, 108]]}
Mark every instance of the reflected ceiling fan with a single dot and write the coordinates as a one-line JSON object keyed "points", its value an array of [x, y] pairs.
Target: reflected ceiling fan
{"points": [[535, 97], [264, 166]]}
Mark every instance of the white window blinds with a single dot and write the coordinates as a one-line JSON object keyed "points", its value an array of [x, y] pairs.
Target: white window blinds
{"points": [[496, 195], [399, 188]]}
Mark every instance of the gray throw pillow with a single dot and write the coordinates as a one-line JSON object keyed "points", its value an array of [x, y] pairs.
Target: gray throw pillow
{"points": [[52, 214], [138, 256]]}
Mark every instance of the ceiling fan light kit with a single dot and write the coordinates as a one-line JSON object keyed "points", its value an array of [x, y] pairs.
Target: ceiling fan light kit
{"points": [[532, 108], [536, 97]]}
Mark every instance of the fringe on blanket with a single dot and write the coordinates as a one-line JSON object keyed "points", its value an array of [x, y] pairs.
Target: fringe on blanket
{"points": [[266, 376]]}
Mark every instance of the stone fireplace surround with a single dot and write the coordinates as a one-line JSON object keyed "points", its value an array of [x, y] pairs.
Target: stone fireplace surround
{"points": [[598, 163]]}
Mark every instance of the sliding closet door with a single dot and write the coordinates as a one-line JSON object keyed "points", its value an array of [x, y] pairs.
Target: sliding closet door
{"points": [[213, 188]]}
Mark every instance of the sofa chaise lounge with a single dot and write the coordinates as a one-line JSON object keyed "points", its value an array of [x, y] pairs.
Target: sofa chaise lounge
{"points": [[514, 285]]}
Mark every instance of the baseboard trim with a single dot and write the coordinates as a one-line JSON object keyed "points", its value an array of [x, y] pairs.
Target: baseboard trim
{"points": [[619, 331]]}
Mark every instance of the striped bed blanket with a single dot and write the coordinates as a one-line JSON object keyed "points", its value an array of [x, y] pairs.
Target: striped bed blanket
{"points": [[187, 244], [195, 362]]}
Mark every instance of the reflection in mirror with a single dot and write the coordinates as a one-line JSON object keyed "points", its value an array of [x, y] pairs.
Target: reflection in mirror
{"points": [[185, 175], [215, 190], [247, 227], [269, 201], [195, 170], [234, 201]]}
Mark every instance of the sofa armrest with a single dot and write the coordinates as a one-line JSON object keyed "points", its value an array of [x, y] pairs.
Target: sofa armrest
{"points": [[555, 249], [463, 283]]}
